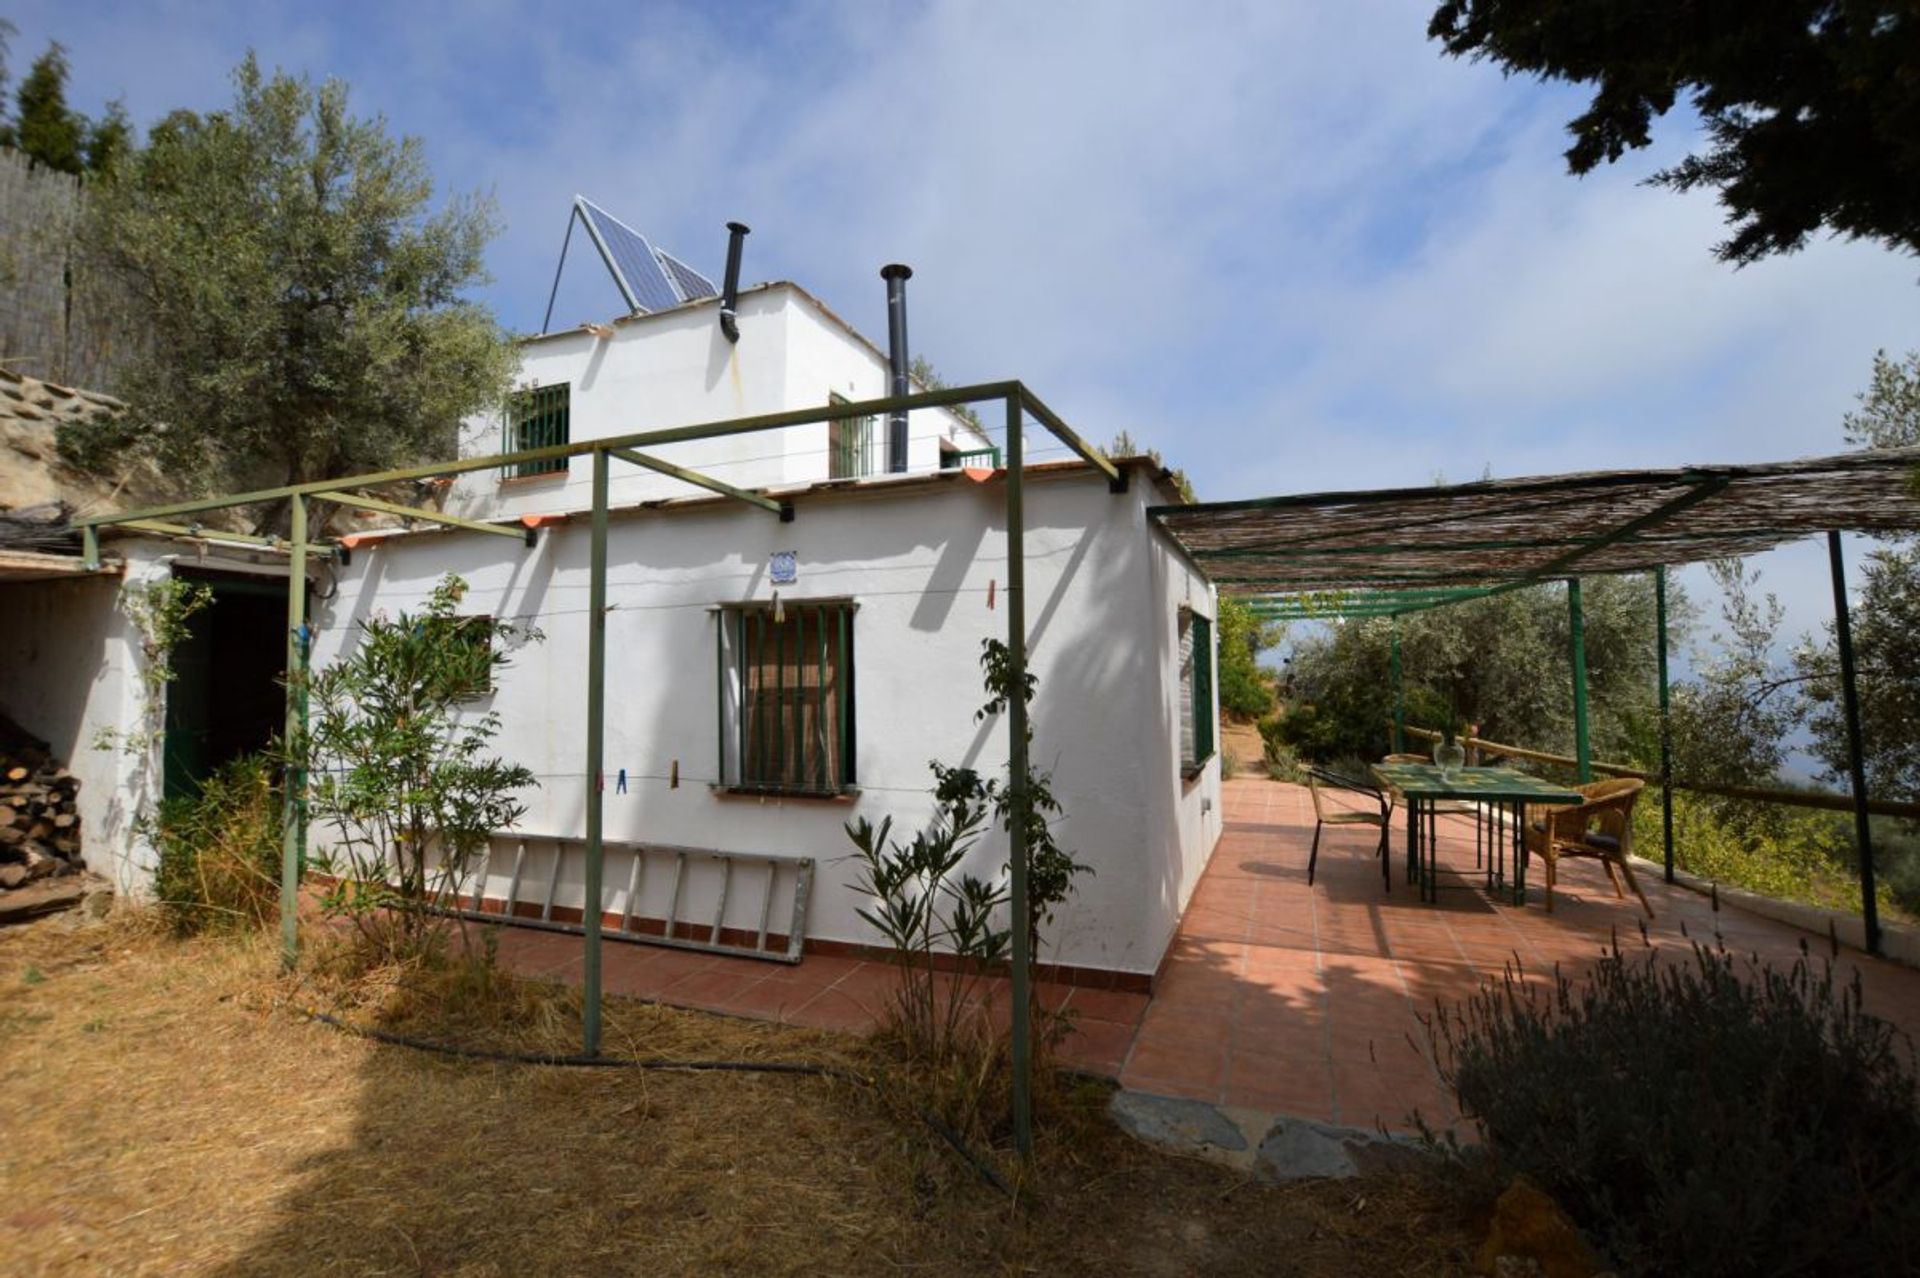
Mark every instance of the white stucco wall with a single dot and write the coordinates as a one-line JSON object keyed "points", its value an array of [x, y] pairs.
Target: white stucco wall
{"points": [[1103, 599], [69, 673], [675, 368]]}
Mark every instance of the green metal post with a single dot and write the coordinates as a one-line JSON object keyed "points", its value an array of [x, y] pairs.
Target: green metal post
{"points": [[1856, 751], [1017, 782], [1399, 691], [293, 819], [1666, 721], [1577, 624], [596, 750]]}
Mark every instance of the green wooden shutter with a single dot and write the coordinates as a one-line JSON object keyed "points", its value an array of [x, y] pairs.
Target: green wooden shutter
{"points": [[1204, 723]]}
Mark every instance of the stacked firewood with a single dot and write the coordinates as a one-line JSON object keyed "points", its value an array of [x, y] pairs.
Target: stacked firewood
{"points": [[39, 818]]}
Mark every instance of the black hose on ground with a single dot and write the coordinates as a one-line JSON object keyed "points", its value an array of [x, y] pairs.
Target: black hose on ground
{"points": [[800, 1068]]}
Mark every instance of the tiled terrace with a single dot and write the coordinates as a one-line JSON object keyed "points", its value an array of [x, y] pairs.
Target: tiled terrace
{"points": [[1276, 997]]}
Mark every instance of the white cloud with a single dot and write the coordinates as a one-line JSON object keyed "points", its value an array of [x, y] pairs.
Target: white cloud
{"points": [[1290, 244]]}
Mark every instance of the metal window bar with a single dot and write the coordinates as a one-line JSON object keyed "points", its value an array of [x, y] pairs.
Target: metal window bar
{"points": [[965, 455], [538, 418], [850, 442], [788, 706]]}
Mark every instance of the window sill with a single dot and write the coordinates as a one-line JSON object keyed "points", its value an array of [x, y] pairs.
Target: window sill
{"points": [[1191, 771], [533, 481], [763, 793]]}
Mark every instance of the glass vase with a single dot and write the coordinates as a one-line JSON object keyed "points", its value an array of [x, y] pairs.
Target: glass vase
{"points": [[1449, 756]]}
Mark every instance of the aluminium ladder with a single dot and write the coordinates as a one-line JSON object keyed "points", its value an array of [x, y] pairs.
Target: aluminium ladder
{"points": [[706, 932]]}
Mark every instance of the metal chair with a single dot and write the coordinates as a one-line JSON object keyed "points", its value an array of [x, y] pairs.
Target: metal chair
{"points": [[1320, 781], [1601, 828]]}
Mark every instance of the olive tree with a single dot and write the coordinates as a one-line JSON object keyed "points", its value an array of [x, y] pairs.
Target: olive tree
{"points": [[307, 309]]}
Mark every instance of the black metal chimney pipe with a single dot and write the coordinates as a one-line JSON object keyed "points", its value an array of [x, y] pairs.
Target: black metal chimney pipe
{"points": [[729, 322], [896, 277]]}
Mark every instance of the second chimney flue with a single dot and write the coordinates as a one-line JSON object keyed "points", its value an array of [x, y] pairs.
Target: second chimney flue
{"points": [[896, 277]]}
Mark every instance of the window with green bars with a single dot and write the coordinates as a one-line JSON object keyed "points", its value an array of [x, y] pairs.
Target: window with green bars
{"points": [[850, 444], [537, 418], [1197, 726], [786, 697]]}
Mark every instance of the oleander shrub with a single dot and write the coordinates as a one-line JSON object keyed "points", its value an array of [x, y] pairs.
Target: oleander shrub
{"points": [[1700, 1114]]}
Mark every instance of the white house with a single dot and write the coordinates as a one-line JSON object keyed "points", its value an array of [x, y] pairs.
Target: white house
{"points": [[768, 679]]}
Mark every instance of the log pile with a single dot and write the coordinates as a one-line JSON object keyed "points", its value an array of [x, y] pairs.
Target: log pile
{"points": [[39, 815]]}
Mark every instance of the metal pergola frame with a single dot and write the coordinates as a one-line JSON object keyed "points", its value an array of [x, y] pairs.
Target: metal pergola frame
{"points": [[1019, 403], [1387, 553]]}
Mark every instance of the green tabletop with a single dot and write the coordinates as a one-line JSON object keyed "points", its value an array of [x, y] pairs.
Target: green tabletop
{"points": [[1425, 782]]}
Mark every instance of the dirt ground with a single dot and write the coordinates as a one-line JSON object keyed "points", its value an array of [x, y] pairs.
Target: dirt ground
{"points": [[168, 1109], [1242, 741]]}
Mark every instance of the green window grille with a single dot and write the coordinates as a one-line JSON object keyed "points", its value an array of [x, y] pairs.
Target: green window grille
{"points": [[538, 418], [1197, 725], [961, 458], [850, 445], [786, 698]]}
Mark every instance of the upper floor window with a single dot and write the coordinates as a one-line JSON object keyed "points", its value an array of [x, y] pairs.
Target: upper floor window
{"points": [[1196, 691], [850, 445], [537, 418]]}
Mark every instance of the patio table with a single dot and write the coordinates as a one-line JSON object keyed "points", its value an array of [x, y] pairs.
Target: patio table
{"points": [[1495, 791]]}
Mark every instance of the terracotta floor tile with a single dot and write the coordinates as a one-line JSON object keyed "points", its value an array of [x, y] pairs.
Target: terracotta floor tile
{"points": [[712, 990], [1297, 1086], [1097, 1046], [1202, 1062], [815, 970], [1178, 1088], [1264, 968], [1108, 1005]]}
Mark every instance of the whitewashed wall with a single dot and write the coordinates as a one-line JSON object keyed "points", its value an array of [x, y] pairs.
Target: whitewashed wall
{"points": [[70, 674], [1103, 595], [675, 369]]}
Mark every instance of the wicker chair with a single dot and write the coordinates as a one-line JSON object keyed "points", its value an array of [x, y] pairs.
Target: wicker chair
{"points": [[1319, 782], [1601, 828]]}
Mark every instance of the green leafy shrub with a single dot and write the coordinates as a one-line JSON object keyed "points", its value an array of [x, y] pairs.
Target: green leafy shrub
{"points": [[406, 778], [220, 849], [1701, 1116], [1790, 854], [1245, 689], [1283, 762]]}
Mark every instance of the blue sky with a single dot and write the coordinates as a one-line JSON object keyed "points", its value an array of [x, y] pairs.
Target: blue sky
{"points": [[1288, 244]]}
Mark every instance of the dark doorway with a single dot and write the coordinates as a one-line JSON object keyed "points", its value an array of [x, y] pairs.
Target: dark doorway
{"points": [[225, 699]]}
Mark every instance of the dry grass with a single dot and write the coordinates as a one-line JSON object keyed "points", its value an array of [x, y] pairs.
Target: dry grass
{"points": [[168, 1111]]}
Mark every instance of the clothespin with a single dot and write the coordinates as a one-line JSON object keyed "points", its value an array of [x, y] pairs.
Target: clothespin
{"points": [[990, 585], [600, 781], [620, 783], [673, 782], [779, 610]]}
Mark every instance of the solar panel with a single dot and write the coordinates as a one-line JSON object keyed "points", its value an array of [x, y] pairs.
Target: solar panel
{"points": [[693, 286], [637, 269]]}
